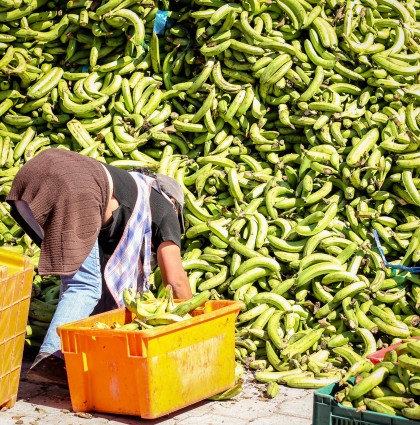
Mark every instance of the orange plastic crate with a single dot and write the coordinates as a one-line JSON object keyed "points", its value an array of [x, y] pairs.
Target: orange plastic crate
{"points": [[16, 274], [150, 373]]}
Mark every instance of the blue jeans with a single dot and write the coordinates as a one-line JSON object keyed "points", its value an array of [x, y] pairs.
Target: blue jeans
{"points": [[82, 294]]}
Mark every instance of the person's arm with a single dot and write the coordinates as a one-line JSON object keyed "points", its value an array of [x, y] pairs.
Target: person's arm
{"points": [[170, 264]]}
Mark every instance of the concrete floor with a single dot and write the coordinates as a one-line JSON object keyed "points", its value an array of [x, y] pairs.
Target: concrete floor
{"points": [[39, 405]]}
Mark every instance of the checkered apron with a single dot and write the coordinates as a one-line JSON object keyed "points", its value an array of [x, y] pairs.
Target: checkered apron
{"points": [[129, 265]]}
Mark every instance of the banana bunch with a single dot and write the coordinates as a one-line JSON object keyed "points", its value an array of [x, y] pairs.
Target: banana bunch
{"points": [[300, 361], [12, 236], [390, 387], [149, 312], [41, 310]]}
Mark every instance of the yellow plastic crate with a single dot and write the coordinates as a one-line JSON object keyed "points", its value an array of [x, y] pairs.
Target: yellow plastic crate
{"points": [[16, 274], [150, 373]]}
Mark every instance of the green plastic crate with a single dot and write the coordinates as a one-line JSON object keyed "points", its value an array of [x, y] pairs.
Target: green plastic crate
{"points": [[327, 411]]}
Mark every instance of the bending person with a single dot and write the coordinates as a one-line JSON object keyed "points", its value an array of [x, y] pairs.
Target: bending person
{"points": [[99, 228]]}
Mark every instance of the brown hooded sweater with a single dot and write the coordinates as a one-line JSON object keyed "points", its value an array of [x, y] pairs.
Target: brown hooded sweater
{"points": [[67, 194]]}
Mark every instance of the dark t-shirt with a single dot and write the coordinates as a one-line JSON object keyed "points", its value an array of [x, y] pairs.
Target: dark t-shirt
{"points": [[165, 224]]}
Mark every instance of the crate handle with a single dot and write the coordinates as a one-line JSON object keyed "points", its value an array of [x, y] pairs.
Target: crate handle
{"points": [[3, 271], [135, 345], [68, 342]]}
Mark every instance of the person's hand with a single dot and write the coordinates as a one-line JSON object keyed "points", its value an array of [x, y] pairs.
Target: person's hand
{"points": [[170, 264]]}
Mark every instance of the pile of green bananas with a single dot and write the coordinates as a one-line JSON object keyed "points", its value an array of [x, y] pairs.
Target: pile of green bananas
{"points": [[391, 387], [293, 127], [319, 354]]}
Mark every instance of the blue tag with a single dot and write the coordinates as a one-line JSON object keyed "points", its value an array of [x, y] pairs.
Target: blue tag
{"points": [[85, 68], [160, 22], [392, 266]]}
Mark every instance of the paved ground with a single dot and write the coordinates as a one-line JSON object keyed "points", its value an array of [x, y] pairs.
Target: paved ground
{"points": [[39, 405]]}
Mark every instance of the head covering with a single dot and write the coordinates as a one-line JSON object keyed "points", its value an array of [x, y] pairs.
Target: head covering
{"points": [[67, 194], [173, 189]]}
